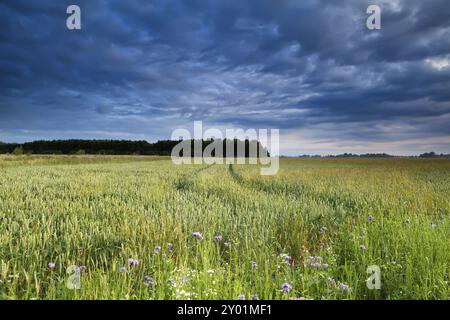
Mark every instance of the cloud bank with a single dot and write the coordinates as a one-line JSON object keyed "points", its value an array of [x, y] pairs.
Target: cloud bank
{"points": [[140, 69]]}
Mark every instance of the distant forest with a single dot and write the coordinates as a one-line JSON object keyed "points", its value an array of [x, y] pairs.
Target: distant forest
{"points": [[142, 147], [114, 147], [376, 155]]}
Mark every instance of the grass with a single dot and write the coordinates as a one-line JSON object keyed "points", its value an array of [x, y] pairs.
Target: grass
{"points": [[99, 212]]}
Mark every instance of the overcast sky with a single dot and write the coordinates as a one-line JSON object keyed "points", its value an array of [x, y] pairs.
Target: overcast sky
{"points": [[140, 69]]}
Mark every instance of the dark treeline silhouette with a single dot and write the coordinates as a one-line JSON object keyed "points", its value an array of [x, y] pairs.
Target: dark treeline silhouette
{"points": [[375, 155], [162, 147], [350, 155], [366, 155], [434, 155], [117, 147]]}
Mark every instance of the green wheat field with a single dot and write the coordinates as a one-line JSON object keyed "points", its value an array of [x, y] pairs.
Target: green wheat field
{"points": [[144, 228]]}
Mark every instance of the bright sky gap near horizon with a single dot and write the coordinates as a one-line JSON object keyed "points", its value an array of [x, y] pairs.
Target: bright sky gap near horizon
{"points": [[140, 69]]}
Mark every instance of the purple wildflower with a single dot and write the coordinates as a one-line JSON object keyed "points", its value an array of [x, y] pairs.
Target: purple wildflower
{"points": [[370, 217], [362, 247], [254, 265], [286, 287], [313, 259], [255, 297], [170, 245], [51, 265], [316, 262], [82, 268], [157, 249], [344, 287], [286, 258], [323, 229], [217, 238], [149, 281], [241, 297], [133, 262], [122, 269]]}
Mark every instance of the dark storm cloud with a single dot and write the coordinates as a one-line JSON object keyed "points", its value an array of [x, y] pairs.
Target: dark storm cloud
{"points": [[139, 69]]}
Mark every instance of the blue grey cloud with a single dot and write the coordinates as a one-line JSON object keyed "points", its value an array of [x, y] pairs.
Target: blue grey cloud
{"points": [[139, 69]]}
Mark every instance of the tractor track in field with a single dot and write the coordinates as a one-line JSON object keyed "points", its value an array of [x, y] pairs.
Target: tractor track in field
{"points": [[335, 200], [272, 189], [186, 181]]}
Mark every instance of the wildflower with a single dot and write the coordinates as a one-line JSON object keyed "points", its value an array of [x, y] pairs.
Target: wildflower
{"points": [[370, 217], [241, 297], [255, 297], [286, 287], [172, 282], [316, 262], [298, 298], [149, 281], [313, 259], [122, 269], [133, 262], [217, 239], [344, 287], [407, 221], [82, 268], [226, 244], [331, 282], [157, 249], [51, 265], [197, 235], [316, 265], [287, 259], [362, 247], [323, 229], [170, 245], [254, 265], [55, 278]]}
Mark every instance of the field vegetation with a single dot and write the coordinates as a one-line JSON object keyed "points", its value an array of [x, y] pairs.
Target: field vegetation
{"points": [[143, 228]]}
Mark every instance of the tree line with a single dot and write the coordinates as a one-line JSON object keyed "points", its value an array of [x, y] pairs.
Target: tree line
{"points": [[375, 155], [117, 147]]}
